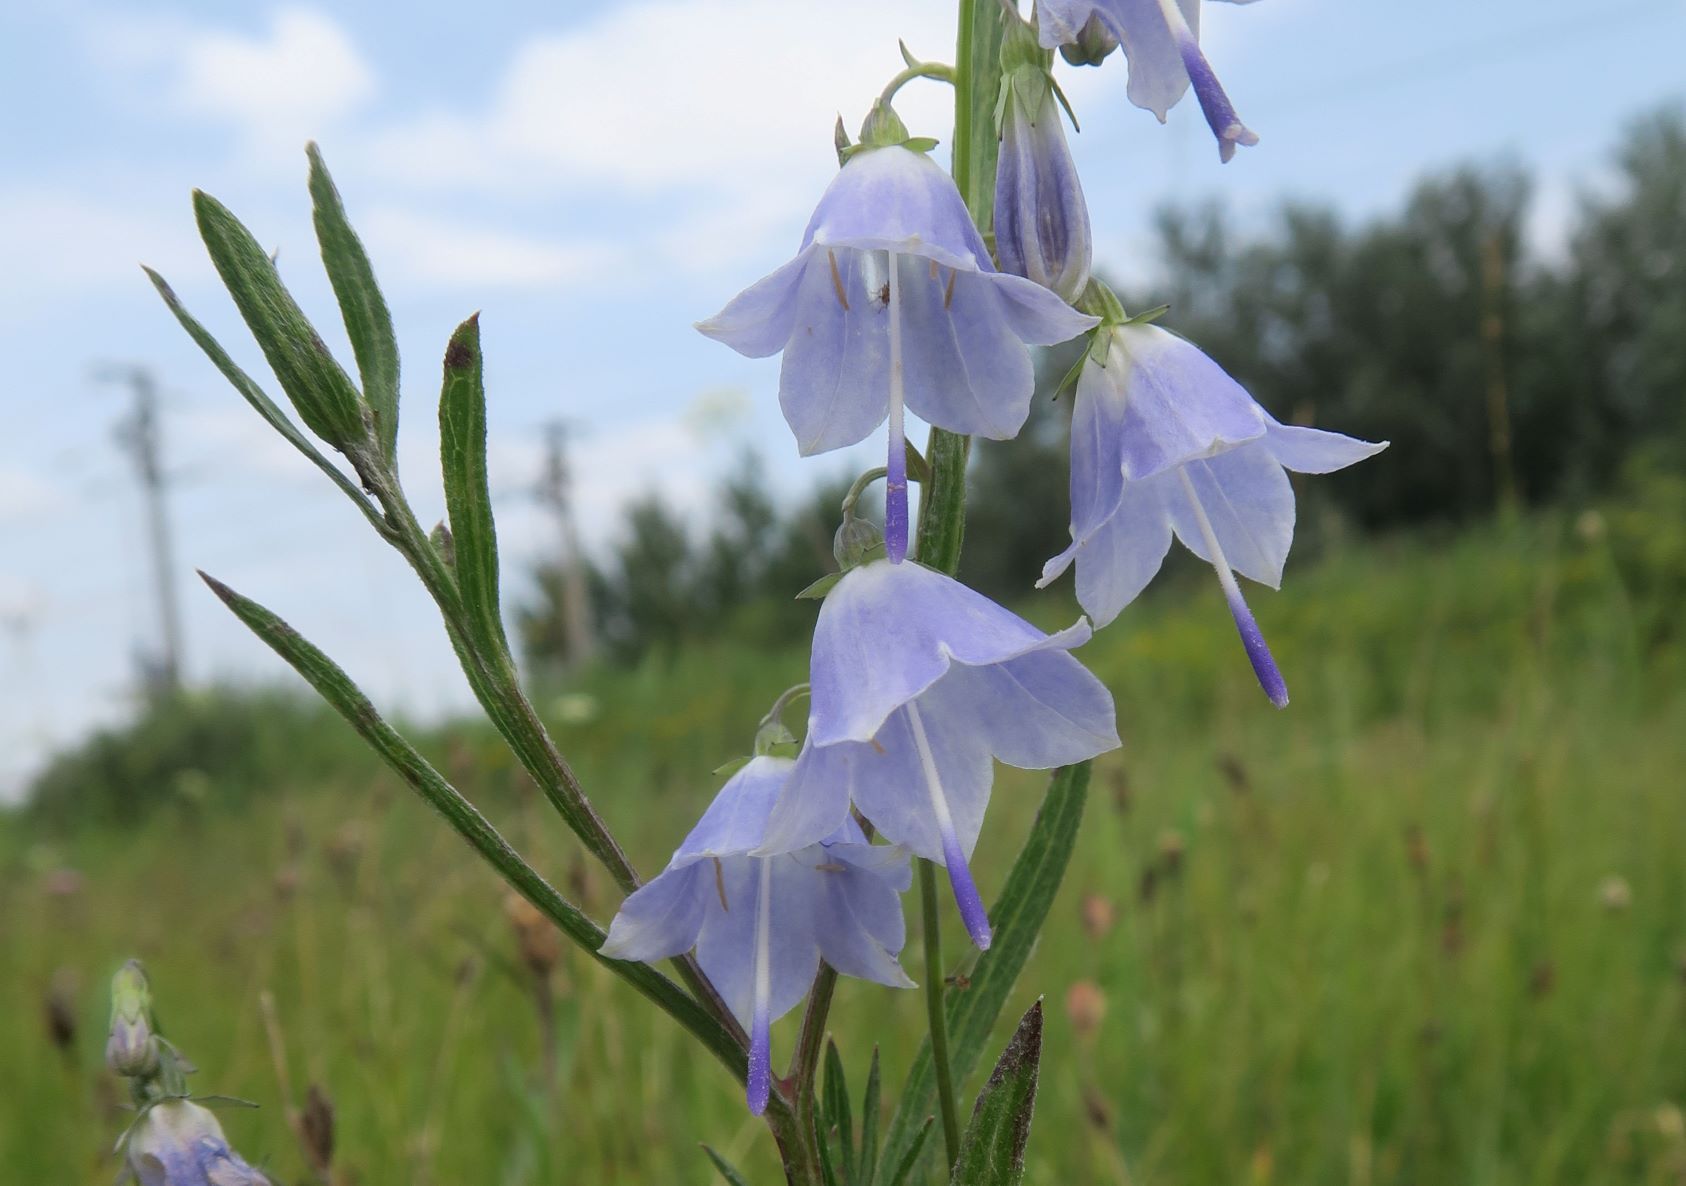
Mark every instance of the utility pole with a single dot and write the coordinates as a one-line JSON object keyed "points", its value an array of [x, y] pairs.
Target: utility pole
{"points": [[138, 435], [556, 492]]}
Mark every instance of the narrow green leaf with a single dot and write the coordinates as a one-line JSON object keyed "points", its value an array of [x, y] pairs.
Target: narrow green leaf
{"points": [[324, 395], [992, 1151], [344, 696], [368, 323], [837, 1116], [916, 1146], [255, 395], [727, 1171], [468, 498], [1017, 918], [828, 1164], [869, 1124]]}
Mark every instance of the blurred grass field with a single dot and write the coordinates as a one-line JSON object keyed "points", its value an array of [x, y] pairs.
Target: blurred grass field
{"points": [[1426, 926]]}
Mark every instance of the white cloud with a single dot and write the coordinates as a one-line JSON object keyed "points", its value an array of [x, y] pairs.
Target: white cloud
{"points": [[280, 88], [729, 95], [56, 240], [427, 250]]}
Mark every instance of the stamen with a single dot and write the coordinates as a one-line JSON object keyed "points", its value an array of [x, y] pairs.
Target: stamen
{"points": [[837, 281], [1252, 638], [933, 269], [948, 293], [972, 911], [760, 1025], [720, 885], [895, 479], [1214, 103]]}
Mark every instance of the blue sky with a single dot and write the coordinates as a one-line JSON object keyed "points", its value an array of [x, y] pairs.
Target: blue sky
{"points": [[592, 178]]}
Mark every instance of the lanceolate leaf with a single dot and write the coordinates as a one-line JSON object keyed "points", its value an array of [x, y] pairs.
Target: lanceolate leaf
{"points": [[838, 1121], [367, 322], [869, 1124], [326, 399], [727, 1170], [344, 696], [901, 1172], [254, 395], [1020, 910], [992, 1151], [462, 451]]}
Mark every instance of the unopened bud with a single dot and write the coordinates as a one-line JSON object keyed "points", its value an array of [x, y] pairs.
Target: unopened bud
{"points": [[1094, 42], [132, 1047], [854, 539]]}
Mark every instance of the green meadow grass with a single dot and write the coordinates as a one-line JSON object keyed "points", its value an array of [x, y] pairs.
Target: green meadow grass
{"points": [[1426, 926]]}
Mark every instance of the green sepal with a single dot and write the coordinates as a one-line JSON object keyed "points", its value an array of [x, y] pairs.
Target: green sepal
{"points": [[1149, 317], [992, 1149], [323, 394], [731, 766], [368, 322], [468, 497], [818, 590]]}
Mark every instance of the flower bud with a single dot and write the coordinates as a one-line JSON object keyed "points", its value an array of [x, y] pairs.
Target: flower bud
{"points": [[131, 1049], [854, 539], [1041, 219], [178, 1143], [1093, 43]]}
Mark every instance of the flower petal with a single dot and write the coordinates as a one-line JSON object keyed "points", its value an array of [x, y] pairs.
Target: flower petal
{"points": [[735, 821], [895, 199], [1059, 21], [834, 382], [966, 371], [858, 919], [661, 918], [887, 632], [1117, 561], [1250, 503], [726, 945], [1157, 75], [1178, 403], [1313, 451], [814, 803], [1036, 712], [759, 320], [894, 788], [1097, 447], [1037, 316]]}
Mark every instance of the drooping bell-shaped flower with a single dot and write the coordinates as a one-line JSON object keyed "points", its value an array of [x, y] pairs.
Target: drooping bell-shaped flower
{"points": [[917, 683], [131, 1045], [1164, 442], [178, 1143], [1041, 220], [761, 924], [892, 302], [1161, 39]]}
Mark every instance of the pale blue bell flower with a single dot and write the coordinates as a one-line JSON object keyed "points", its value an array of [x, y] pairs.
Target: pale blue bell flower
{"points": [[1164, 442], [1161, 40], [917, 685], [1041, 220], [761, 924], [892, 301], [178, 1143]]}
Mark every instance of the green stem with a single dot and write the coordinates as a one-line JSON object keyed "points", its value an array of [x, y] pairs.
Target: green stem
{"points": [[935, 1014], [805, 1065], [934, 70]]}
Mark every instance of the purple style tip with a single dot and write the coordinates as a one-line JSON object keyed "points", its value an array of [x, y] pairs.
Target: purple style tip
{"points": [[1258, 652], [1214, 102], [759, 1083], [972, 911]]}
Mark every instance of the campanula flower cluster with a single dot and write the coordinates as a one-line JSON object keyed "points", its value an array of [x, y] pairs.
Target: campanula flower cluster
{"points": [[896, 303]]}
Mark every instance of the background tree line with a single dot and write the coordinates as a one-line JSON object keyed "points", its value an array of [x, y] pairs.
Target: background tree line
{"points": [[1502, 378]]}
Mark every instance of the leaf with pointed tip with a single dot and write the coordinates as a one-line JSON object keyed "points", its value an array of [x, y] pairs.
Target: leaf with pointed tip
{"points": [[727, 1170], [468, 496], [346, 698], [818, 590], [838, 1120], [1017, 917], [368, 323], [255, 395], [869, 1124], [324, 395], [992, 1149], [909, 1159]]}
